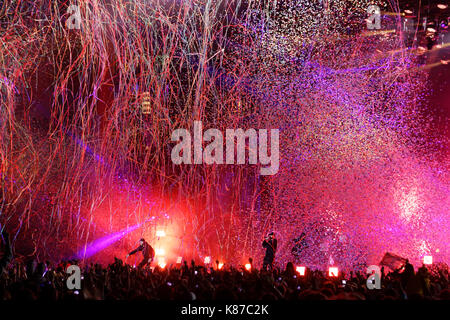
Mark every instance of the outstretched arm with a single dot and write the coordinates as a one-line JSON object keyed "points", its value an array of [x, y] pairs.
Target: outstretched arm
{"points": [[134, 251]]}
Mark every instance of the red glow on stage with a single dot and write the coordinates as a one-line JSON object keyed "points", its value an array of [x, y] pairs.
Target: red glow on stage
{"points": [[162, 262], [87, 164], [160, 233], [333, 272], [301, 270], [160, 252], [428, 260]]}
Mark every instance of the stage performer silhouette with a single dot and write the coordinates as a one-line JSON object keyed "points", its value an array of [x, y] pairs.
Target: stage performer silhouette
{"points": [[147, 251], [270, 244]]}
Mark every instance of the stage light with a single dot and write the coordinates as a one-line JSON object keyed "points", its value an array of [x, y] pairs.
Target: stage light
{"points": [[301, 270], [207, 260], [427, 260], [431, 29], [162, 263], [248, 266], [442, 6], [220, 266], [179, 259], [160, 233], [104, 242], [333, 271], [407, 11], [160, 252], [145, 106]]}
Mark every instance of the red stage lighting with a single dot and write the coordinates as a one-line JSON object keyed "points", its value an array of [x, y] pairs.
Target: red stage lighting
{"points": [[160, 252], [248, 266], [333, 271], [207, 260], [160, 233], [427, 260], [301, 270], [162, 263]]}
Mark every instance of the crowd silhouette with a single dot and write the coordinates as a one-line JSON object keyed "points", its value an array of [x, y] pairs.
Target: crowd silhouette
{"points": [[33, 280]]}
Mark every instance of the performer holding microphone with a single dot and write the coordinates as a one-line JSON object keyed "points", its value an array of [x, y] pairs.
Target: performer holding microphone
{"points": [[270, 244], [147, 251]]}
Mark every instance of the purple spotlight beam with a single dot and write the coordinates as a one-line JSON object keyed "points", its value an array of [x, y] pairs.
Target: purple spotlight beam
{"points": [[104, 242]]}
